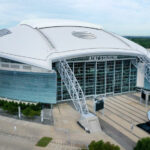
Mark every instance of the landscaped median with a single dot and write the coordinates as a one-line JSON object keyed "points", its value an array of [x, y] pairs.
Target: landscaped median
{"points": [[44, 141]]}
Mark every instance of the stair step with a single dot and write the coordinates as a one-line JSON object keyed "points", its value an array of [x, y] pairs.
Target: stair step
{"points": [[126, 110], [116, 126], [125, 103], [115, 119]]}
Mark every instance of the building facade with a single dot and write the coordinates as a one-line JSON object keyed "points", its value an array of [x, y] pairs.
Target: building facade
{"points": [[101, 75], [102, 62]]}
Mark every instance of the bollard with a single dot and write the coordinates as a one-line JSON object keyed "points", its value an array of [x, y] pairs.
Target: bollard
{"points": [[42, 119], [19, 112]]}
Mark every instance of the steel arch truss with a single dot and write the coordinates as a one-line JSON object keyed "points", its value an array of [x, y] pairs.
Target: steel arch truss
{"points": [[146, 62], [73, 86]]}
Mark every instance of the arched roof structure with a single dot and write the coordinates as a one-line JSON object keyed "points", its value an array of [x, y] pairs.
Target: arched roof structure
{"points": [[43, 41]]}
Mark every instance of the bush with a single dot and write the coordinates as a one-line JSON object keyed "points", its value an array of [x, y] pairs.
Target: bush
{"points": [[44, 141], [143, 144], [100, 145], [22, 105], [1, 103], [12, 109], [28, 110]]}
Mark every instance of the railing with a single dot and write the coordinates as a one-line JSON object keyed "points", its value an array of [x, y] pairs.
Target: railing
{"points": [[72, 86], [20, 67]]}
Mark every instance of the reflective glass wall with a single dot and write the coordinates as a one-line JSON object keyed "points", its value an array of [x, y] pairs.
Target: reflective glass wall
{"points": [[28, 86]]}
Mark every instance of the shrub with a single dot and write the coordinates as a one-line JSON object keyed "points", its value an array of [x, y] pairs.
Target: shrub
{"points": [[1, 103], [143, 144], [100, 145], [22, 105], [12, 109], [44, 141], [28, 112], [5, 106]]}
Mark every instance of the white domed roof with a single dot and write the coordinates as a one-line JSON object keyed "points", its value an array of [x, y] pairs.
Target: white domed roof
{"points": [[43, 41]]}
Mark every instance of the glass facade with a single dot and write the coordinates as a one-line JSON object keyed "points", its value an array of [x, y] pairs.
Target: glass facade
{"points": [[146, 84], [97, 75], [28, 86], [101, 75]]}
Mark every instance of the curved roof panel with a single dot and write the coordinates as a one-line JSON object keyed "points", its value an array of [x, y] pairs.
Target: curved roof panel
{"points": [[40, 42], [63, 38]]}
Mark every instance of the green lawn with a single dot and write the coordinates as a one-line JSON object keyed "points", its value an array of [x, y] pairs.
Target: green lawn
{"points": [[44, 141]]}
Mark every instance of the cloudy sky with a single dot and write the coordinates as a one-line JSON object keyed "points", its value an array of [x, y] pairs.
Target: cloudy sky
{"points": [[125, 17]]}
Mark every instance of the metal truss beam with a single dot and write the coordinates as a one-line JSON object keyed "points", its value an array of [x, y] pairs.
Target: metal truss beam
{"points": [[73, 86], [146, 62]]}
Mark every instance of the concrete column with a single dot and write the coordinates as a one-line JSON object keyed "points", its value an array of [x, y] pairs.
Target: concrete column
{"points": [[140, 75]]}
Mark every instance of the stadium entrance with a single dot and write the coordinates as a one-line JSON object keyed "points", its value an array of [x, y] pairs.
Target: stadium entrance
{"points": [[101, 75]]}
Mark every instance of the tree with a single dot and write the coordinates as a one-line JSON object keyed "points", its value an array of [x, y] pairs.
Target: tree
{"points": [[100, 145], [143, 144]]}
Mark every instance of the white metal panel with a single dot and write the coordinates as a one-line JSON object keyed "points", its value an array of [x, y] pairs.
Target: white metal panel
{"points": [[26, 42], [46, 64], [64, 40], [91, 52]]}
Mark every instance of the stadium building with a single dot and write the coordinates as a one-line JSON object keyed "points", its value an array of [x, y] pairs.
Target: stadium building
{"points": [[51, 61]]}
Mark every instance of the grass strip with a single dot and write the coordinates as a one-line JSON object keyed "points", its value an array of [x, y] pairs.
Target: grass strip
{"points": [[44, 141]]}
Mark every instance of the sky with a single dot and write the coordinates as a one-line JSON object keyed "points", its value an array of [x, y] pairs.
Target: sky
{"points": [[124, 17]]}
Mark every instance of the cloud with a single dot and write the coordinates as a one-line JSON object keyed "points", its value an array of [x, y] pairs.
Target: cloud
{"points": [[120, 16]]}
